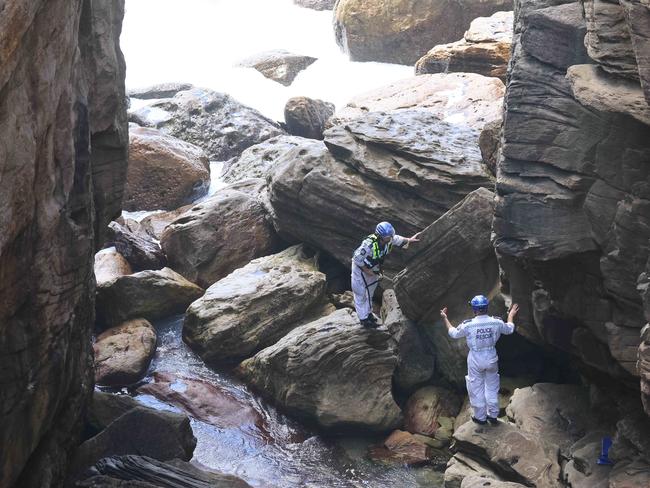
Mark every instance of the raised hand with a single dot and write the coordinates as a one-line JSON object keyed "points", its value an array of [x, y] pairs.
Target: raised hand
{"points": [[513, 312], [443, 313]]}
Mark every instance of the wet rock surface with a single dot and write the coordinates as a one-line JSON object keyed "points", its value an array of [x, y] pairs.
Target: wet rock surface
{"points": [[278, 65], [219, 235], [213, 121], [161, 90], [146, 472], [402, 448], [368, 30], [306, 117], [123, 353], [457, 98], [484, 49], [136, 246], [164, 172], [454, 249], [254, 306], [147, 294], [331, 371]]}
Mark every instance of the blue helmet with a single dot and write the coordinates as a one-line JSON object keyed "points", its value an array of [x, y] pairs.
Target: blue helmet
{"points": [[384, 229], [479, 303]]}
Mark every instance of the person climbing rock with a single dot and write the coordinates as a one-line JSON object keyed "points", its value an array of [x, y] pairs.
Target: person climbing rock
{"points": [[482, 333], [367, 267]]}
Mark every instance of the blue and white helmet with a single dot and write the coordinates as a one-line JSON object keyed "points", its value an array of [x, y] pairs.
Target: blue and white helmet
{"points": [[479, 303], [384, 229]]}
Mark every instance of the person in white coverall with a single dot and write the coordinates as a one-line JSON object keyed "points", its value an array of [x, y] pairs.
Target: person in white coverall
{"points": [[482, 333], [366, 267]]}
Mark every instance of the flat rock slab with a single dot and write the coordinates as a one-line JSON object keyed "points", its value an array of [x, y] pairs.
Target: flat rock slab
{"points": [[254, 306], [148, 294], [123, 353], [331, 371], [518, 456], [457, 98]]}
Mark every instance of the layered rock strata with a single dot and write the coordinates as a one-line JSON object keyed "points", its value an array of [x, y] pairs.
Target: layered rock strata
{"points": [[63, 163]]}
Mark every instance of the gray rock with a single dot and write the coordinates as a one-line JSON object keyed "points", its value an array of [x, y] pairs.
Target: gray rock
{"points": [[220, 234], [123, 353], [316, 4], [138, 249], [215, 122], [643, 366], [581, 470], [148, 294], [454, 249], [142, 471], [156, 223], [415, 364], [479, 482], [143, 431], [164, 172], [401, 31], [306, 117], [331, 371], [278, 65], [254, 306], [562, 27], [461, 466], [489, 143], [107, 407], [257, 160], [637, 16], [608, 38], [161, 90], [518, 456]]}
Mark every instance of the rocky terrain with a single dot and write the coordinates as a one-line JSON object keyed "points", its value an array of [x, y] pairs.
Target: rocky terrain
{"points": [[528, 183]]}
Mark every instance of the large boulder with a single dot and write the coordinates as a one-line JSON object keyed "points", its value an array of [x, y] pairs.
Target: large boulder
{"points": [[160, 90], [559, 414], [155, 223], [306, 117], [148, 294], [143, 431], [164, 172], [331, 371], [415, 363], [219, 235], [573, 181], [109, 264], [457, 98], [278, 65], [462, 466], [431, 409], [316, 4], [637, 16], [203, 401], [376, 167], [133, 471], [484, 49], [254, 306], [107, 407], [257, 160], [401, 31], [214, 121], [518, 456], [582, 470], [456, 250], [402, 448], [123, 353], [138, 248]]}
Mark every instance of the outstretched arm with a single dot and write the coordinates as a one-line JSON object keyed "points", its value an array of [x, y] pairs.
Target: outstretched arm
{"points": [[445, 319], [405, 241], [509, 327]]}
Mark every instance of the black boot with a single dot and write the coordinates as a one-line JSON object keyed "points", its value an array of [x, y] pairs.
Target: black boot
{"points": [[493, 420], [479, 422]]}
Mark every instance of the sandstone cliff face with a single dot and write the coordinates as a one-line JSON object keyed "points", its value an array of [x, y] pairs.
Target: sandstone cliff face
{"points": [[572, 221], [54, 58]]}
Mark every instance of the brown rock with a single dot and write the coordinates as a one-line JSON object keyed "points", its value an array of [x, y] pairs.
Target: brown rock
{"points": [[401, 31], [148, 294], [204, 401], [156, 223], [63, 161], [637, 15], [219, 235], [110, 264], [306, 117], [424, 409], [485, 49], [401, 448], [123, 353], [164, 172], [139, 249], [489, 142]]}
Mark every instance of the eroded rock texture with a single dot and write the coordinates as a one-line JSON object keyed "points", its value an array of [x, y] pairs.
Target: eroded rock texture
{"points": [[63, 162], [572, 220]]}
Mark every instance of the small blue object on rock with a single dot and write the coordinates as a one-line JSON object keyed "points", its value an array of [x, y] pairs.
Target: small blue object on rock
{"points": [[604, 452]]}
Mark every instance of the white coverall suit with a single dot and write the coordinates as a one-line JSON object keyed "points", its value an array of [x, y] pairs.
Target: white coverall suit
{"points": [[370, 255], [482, 334]]}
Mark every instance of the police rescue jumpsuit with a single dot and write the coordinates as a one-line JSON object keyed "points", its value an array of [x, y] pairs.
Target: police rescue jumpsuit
{"points": [[482, 333], [370, 255]]}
